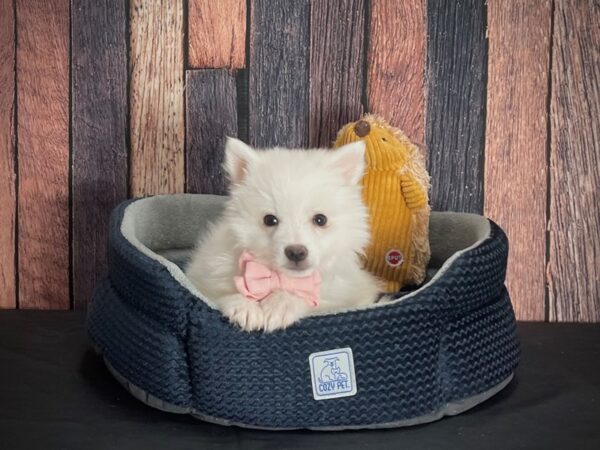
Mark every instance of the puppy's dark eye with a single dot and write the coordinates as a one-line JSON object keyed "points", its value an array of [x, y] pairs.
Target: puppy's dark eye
{"points": [[270, 220], [320, 220]]}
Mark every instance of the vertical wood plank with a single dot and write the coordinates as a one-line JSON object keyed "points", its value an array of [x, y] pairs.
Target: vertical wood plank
{"points": [[99, 129], [396, 64], [43, 148], [456, 76], [211, 114], [278, 85], [336, 67], [242, 94], [157, 121], [8, 200], [217, 34], [516, 138], [574, 263]]}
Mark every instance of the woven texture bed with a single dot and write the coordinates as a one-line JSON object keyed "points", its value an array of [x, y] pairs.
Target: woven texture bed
{"points": [[436, 351]]}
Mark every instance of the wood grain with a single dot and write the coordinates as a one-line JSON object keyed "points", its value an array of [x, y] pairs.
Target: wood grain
{"points": [[336, 67], [574, 263], [211, 114], [156, 94], [43, 148], [455, 118], [516, 138], [8, 199], [396, 64], [99, 130], [278, 85], [217, 34]]}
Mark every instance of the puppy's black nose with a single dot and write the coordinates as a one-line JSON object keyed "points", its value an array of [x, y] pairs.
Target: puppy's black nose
{"points": [[296, 253]]}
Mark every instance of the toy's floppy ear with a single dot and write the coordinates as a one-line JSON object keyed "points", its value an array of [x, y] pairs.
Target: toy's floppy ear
{"points": [[350, 160], [237, 158]]}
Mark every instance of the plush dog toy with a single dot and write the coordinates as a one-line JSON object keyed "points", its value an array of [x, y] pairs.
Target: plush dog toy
{"points": [[395, 189]]}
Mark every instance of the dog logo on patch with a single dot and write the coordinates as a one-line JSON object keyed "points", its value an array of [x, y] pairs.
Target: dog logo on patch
{"points": [[331, 371], [332, 374], [394, 258]]}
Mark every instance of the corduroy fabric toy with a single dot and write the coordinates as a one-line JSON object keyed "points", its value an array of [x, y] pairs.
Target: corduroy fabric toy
{"points": [[395, 189]]}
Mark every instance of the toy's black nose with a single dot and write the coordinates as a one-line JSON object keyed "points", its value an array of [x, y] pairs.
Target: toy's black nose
{"points": [[362, 128], [296, 253]]}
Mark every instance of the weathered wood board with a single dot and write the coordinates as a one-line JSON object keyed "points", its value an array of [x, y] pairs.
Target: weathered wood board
{"points": [[516, 143], [104, 100], [99, 134], [156, 97], [211, 115], [8, 198], [279, 63], [217, 34], [337, 62], [396, 64], [455, 119], [43, 150], [574, 263]]}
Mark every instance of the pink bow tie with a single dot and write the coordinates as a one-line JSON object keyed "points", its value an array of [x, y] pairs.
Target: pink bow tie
{"points": [[258, 281]]}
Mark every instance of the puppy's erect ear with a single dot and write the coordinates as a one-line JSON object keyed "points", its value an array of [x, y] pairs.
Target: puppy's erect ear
{"points": [[237, 158], [350, 160]]}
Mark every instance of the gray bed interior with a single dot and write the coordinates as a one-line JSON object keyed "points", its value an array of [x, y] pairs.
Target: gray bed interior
{"points": [[170, 226]]}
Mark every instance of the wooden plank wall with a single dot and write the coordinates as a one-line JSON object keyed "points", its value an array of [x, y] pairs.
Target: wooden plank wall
{"points": [[337, 40], [574, 265], [156, 96], [43, 153], [278, 69], [217, 46], [516, 142], [211, 116], [456, 77], [99, 134], [217, 34], [8, 197], [396, 62], [502, 97]]}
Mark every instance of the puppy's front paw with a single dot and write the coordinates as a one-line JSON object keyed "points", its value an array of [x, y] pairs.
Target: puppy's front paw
{"points": [[281, 310], [243, 312]]}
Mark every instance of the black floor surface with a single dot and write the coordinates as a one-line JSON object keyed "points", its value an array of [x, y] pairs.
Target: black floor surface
{"points": [[55, 393]]}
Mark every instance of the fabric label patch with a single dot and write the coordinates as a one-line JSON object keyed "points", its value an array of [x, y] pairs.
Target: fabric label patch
{"points": [[394, 257], [332, 374]]}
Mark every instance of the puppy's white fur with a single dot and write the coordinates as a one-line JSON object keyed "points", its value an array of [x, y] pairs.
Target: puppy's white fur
{"points": [[294, 186]]}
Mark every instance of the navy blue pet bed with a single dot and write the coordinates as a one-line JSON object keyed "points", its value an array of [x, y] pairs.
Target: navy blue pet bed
{"points": [[438, 350]]}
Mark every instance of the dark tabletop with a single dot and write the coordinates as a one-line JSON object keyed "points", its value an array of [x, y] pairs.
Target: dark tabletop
{"points": [[56, 393]]}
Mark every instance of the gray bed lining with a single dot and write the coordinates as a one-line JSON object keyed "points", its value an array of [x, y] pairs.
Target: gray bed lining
{"points": [[167, 227]]}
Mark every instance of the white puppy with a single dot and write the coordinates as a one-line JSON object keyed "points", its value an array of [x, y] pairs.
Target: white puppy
{"points": [[299, 214]]}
